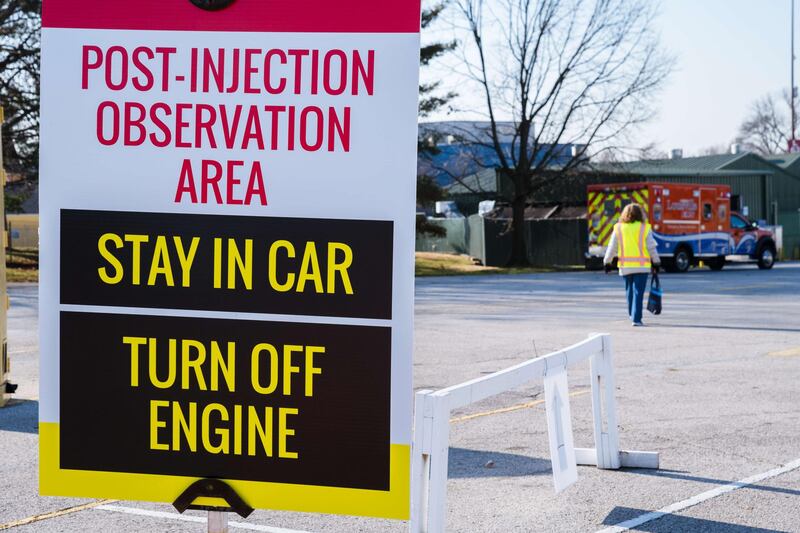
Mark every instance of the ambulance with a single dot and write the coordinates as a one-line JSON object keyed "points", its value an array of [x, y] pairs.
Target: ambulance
{"points": [[691, 223]]}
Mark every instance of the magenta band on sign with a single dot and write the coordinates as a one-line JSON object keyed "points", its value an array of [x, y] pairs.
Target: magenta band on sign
{"points": [[347, 16]]}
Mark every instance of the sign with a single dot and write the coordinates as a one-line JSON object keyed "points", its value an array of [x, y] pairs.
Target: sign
{"points": [[559, 429], [222, 295]]}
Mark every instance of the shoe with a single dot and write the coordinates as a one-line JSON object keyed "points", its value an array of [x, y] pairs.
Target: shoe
{"points": [[637, 324]]}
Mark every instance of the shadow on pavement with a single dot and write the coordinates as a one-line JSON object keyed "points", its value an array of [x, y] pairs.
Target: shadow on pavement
{"points": [[683, 476], [671, 522], [20, 416], [465, 463], [743, 328]]}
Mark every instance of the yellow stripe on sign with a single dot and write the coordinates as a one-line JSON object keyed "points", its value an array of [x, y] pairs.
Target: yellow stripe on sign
{"points": [[638, 198], [393, 504], [594, 202]]}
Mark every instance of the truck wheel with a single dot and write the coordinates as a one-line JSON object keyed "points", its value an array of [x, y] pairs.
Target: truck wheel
{"points": [[717, 263], [766, 257], [682, 259]]}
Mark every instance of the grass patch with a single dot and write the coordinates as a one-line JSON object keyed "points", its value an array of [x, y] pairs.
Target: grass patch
{"points": [[18, 273], [436, 264], [22, 265]]}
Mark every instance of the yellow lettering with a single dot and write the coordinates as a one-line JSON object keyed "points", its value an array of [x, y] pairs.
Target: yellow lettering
{"points": [[256, 429], [217, 263], [189, 428], [226, 365], [186, 260], [188, 363], [102, 247], [284, 431], [237, 430], [244, 265], [289, 368], [222, 433], [160, 263], [171, 363], [335, 267], [309, 270], [312, 370], [273, 266], [136, 259], [134, 343], [255, 368], [156, 424]]}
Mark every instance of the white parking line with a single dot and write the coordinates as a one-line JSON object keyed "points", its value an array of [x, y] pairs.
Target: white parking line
{"points": [[700, 498], [198, 519]]}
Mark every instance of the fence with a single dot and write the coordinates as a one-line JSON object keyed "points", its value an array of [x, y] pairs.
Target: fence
{"points": [[23, 231], [432, 424], [455, 240], [550, 242]]}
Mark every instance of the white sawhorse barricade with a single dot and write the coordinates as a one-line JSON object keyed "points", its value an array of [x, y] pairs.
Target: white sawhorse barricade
{"points": [[432, 424]]}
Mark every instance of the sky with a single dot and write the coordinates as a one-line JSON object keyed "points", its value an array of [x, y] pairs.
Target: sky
{"points": [[728, 54]]}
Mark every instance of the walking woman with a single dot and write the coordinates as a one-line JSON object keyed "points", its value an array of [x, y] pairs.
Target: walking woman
{"points": [[633, 244]]}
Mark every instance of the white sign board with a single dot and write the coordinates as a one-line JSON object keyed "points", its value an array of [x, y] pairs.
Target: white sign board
{"points": [[559, 429], [221, 294]]}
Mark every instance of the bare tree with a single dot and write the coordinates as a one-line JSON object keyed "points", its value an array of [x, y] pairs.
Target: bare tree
{"points": [[714, 149], [767, 128], [20, 25], [566, 72]]}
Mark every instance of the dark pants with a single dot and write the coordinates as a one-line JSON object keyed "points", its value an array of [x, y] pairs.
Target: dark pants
{"points": [[635, 285]]}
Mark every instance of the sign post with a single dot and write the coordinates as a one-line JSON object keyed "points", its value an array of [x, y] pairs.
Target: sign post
{"points": [[227, 233]]}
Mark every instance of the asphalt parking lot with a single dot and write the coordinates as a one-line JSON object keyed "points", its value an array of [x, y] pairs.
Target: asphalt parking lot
{"points": [[713, 384]]}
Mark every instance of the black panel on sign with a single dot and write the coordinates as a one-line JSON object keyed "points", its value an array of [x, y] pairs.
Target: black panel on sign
{"points": [[296, 265], [114, 417]]}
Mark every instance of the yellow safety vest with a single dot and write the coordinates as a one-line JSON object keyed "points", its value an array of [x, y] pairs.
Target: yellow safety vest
{"points": [[632, 245]]}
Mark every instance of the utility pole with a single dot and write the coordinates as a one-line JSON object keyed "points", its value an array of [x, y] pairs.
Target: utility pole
{"points": [[793, 89]]}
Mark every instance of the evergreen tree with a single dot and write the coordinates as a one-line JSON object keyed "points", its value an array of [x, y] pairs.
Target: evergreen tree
{"points": [[430, 99], [20, 26]]}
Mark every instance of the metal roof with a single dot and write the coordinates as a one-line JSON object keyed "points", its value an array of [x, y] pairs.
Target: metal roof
{"points": [[451, 162], [783, 160], [686, 166], [480, 182]]}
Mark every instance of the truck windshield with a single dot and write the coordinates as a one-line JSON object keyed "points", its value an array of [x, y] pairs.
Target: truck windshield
{"points": [[738, 222]]}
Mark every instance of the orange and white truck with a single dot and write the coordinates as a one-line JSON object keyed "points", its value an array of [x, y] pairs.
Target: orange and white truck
{"points": [[691, 223]]}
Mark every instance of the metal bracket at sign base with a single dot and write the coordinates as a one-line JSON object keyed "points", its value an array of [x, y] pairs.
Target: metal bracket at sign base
{"points": [[212, 488]]}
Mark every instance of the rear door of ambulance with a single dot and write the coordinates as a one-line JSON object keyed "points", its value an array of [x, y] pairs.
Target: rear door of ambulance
{"points": [[605, 207]]}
